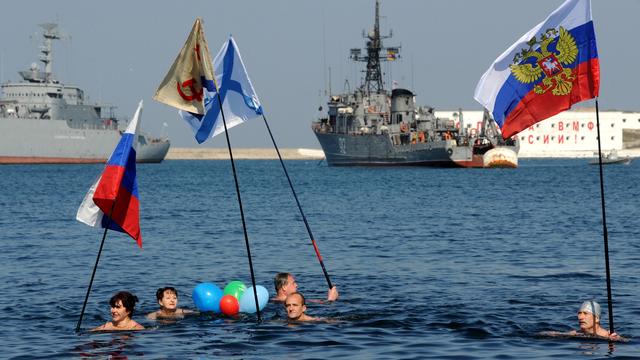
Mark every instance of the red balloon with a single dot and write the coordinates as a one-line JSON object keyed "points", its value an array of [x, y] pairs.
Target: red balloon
{"points": [[229, 305]]}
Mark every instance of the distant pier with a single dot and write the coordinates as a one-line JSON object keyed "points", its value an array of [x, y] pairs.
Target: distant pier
{"points": [[242, 153]]}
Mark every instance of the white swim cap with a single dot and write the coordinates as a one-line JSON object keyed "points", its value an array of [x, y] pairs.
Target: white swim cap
{"points": [[591, 306]]}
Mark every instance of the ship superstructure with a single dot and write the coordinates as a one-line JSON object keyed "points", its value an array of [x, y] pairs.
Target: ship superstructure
{"points": [[373, 126]]}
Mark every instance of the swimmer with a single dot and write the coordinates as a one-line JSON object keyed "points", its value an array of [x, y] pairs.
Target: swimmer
{"points": [[122, 307], [589, 322], [286, 284], [296, 307], [168, 300]]}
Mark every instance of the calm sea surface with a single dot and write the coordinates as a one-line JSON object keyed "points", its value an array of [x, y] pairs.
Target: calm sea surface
{"points": [[430, 263]]}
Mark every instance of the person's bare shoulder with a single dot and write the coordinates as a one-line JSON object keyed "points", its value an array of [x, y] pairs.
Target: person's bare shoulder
{"points": [[100, 328], [153, 315]]}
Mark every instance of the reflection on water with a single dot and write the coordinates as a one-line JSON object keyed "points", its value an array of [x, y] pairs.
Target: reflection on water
{"points": [[115, 348]]}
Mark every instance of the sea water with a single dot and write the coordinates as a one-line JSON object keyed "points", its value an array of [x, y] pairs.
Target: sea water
{"points": [[430, 263]]}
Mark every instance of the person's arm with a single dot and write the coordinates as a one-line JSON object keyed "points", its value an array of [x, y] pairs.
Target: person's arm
{"points": [[152, 316]]}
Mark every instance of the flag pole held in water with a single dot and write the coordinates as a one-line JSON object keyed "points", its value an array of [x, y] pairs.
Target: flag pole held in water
{"points": [[201, 92], [115, 194], [295, 196], [546, 71]]}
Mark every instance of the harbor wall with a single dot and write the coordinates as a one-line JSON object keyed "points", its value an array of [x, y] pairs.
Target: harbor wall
{"points": [[242, 154]]}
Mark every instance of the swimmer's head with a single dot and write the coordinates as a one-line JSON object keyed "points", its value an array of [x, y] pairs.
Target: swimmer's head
{"points": [[591, 307]]}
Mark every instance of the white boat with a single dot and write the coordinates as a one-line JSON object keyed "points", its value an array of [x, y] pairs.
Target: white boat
{"points": [[611, 158]]}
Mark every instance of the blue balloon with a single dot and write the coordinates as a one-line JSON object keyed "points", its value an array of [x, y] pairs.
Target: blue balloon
{"points": [[206, 297], [248, 301]]}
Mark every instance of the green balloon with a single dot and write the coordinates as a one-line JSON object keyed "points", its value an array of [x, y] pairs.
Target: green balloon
{"points": [[235, 288]]}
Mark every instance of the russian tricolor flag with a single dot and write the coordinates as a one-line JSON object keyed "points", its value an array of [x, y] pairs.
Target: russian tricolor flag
{"points": [[548, 69], [112, 201]]}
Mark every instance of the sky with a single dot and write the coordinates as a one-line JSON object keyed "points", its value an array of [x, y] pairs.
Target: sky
{"points": [[119, 51]]}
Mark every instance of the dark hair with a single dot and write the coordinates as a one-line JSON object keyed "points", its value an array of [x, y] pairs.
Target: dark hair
{"points": [[304, 301], [128, 301], [280, 280], [160, 292]]}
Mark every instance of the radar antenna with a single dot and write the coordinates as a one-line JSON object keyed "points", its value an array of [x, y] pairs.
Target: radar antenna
{"points": [[373, 79]]}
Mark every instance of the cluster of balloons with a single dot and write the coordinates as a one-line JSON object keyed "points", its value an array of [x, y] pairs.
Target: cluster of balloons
{"points": [[235, 297]]}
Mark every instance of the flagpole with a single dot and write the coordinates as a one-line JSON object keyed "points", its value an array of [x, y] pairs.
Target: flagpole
{"points": [[604, 224], [304, 218], [95, 267], [244, 225]]}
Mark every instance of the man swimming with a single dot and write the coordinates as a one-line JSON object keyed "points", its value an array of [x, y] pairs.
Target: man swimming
{"points": [[296, 307], [168, 300], [589, 322], [286, 284]]}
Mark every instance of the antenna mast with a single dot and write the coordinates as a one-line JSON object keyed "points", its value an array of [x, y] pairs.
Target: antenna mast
{"points": [[373, 80]]}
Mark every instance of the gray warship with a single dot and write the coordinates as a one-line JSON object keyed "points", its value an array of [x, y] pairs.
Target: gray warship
{"points": [[372, 126], [45, 121]]}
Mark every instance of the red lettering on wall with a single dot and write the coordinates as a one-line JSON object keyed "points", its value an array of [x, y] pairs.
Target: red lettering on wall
{"points": [[576, 126], [590, 125], [530, 138], [560, 126], [561, 139], [545, 139]]}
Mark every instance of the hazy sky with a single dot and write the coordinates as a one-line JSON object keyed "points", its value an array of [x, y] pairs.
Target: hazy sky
{"points": [[119, 51]]}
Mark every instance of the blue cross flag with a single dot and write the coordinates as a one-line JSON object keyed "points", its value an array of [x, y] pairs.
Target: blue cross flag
{"points": [[239, 101]]}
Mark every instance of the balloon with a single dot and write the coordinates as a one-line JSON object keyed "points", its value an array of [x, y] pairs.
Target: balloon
{"points": [[235, 288], [206, 297], [248, 302], [229, 305]]}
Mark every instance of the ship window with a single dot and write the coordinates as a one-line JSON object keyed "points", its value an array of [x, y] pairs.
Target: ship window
{"points": [[624, 120], [613, 137], [582, 125], [553, 125], [553, 138], [567, 138], [522, 138], [537, 125], [537, 137], [399, 118], [612, 124]]}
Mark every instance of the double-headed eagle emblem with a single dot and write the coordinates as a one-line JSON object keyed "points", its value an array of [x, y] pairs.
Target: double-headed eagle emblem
{"points": [[548, 63]]}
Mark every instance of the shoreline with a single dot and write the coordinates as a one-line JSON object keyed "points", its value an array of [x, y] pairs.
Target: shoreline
{"points": [[243, 154], [316, 154]]}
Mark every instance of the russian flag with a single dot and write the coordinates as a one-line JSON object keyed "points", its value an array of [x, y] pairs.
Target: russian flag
{"points": [[113, 201], [548, 69]]}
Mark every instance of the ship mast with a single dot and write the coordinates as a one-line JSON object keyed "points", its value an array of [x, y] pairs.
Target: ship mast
{"points": [[373, 79], [50, 33]]}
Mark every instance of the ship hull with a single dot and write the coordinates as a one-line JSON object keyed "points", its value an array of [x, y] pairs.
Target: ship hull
{"points": [[377, 150], [32, 141]]}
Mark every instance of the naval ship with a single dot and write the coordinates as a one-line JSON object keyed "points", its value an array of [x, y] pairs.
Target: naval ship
{"points": [[373, 126], [45, 121]]}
